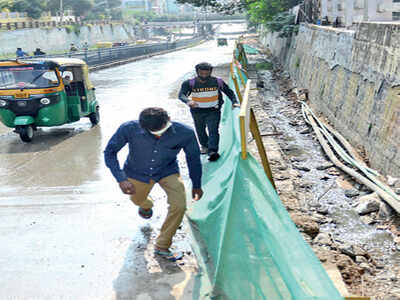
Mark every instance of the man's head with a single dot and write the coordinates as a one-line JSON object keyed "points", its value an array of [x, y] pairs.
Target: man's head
{"points": [[204, 70], [19, 49], [67, 79], [154, 119]]}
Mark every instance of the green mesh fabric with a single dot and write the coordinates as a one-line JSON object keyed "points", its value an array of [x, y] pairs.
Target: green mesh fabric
{"points": [[247, 246], [249, 49]]}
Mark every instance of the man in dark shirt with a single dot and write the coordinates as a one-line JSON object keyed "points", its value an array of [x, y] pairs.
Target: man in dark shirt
{"points": [[154, 143], [38, 52], [205, 106]]}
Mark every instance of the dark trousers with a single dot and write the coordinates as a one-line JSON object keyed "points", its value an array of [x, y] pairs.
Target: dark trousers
{"points": [[209, 118]]}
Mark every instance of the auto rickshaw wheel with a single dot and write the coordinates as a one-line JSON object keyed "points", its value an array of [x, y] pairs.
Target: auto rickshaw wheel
{"points": [[26, 133], [95, 116]]}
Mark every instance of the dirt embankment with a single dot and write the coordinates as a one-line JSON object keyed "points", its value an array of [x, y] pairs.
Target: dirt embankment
{"points": [[324, 202]]}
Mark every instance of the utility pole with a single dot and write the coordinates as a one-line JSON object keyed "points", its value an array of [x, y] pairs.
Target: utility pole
{"points": [[61, 11], [108, 10]]}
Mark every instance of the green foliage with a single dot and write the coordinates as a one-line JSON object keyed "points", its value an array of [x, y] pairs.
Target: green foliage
{"points": [[138, 15], [77, 29], [110, 9], [258, 11], [283, 23], [297, 62], [116, 14], [5, 5], [79, 7], [33, 8], [199, 3], [73, 28], [69, 28], [267, 65], [262, 11], [93, 8]]}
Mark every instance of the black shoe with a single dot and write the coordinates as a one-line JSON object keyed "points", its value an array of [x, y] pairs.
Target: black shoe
{"points": [[213, 156]]}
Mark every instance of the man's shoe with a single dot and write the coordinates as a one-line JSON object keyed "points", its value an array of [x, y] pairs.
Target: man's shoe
{"points": [[168, 255], [145, 213], [213, 156], [203, 150]]}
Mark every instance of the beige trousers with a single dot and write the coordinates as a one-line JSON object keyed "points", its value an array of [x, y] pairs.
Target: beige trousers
{"points": [[175, 190]]}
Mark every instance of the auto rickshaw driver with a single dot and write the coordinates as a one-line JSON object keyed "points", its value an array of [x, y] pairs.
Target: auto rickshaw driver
{"points": [[67, 84]]}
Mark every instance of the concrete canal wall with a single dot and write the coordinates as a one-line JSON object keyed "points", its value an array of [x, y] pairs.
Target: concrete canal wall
{"points": [[353, 78], [59, 39]]}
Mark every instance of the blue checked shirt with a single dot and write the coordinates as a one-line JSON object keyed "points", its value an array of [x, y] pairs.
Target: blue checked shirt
{"points": [[151, 157]]}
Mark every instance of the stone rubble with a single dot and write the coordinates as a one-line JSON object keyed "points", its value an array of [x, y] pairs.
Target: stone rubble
{"points": [[364, 269]]}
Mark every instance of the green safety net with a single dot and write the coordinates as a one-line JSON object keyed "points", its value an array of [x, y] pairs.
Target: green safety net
{"points": [[249, 49], [246, 244]]}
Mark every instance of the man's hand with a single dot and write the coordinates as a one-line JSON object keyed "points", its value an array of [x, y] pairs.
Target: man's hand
{"points": [[197, 194], [234, 105], [192, 104], [127, 187]]}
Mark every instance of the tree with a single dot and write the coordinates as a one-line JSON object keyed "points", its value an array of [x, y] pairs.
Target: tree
{"points": [[231, 7], [6, 4], [259, 11], [33, 8], [109, 8], [53, 6], [80, 7]]}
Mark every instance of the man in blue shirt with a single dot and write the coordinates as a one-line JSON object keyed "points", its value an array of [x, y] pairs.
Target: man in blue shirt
{"points": [[20, 53], [154, 143]]}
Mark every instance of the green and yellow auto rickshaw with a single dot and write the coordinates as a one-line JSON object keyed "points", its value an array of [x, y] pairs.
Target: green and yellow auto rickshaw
{"points": [[45, 92], [222, 42]]}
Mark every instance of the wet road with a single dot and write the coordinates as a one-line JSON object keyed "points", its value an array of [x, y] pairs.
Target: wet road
{"points": [[67, 232]]}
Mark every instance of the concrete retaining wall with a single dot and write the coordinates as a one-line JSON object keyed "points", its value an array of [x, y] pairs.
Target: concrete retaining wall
{"points": [[353, 78], [58, 39]]}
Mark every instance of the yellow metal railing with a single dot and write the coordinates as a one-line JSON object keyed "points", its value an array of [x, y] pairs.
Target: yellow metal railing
{"points": [[247, 118], [244, 119]]}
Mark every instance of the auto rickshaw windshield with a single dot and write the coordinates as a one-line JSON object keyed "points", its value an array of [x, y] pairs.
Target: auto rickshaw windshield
{"points": [[27, 77]]}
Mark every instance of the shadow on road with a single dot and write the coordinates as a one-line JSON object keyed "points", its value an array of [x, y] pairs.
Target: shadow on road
{"points": [[145, 276], [43, 140]]}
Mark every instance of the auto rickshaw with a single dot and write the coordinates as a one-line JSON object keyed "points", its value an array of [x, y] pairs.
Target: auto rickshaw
{"points": [[45, 92], [222, 42]]}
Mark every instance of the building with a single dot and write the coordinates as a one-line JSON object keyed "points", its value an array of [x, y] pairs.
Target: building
{"points": [[348, 12]]}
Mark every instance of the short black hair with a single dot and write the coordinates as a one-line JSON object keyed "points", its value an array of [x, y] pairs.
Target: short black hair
{"points": [[153, 118]]}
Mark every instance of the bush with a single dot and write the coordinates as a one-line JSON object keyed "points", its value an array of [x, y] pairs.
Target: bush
{"points": [[69, 28], [267, 65], [284, 24], [77, 29]]}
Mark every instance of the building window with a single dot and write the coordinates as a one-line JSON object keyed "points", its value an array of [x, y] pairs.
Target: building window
{"points": [[396, 15]]}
